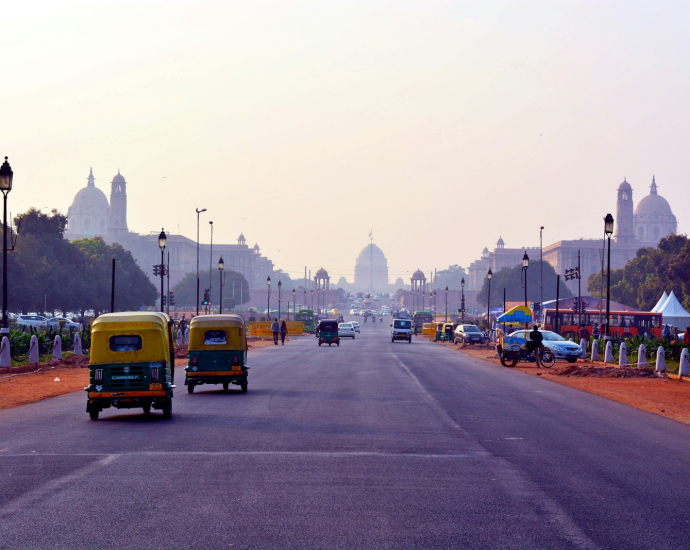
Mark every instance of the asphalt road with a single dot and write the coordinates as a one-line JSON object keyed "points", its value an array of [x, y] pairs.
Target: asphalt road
{"points": [[366, 445]]}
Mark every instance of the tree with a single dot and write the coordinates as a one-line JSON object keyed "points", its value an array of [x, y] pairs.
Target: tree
{"points": [[510, 278], [451, 277], [652, 271], [185, 290]]}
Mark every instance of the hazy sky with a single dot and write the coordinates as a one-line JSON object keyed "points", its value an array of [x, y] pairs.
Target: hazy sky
{"points": [[439, 125]]}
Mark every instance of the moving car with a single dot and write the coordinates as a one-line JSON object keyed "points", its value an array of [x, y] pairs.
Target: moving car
{"points": [[57, 322], [35, 321], [346, 330], [468, 334], [561, 348], [355, 325], [401, 329]]}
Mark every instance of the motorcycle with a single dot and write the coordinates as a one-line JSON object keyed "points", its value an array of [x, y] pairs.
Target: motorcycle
{"points": [[514, 353]]}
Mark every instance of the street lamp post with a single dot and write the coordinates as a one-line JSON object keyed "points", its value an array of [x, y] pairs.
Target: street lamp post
{"points": [[268, 306], [431, 295], [6, 176], [446, 304], [489, 276], [294, 306], [462, 299], [541, 273], [162, 238], [608, 229], [435, 308], [198, 212], [525, 265], [305, 299], [210, 264], [280, 296], [221, 267], [312, 299]]}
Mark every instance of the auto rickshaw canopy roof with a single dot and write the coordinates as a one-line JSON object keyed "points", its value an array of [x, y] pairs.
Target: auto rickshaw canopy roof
{"points": [[202, 325], [151, 326]]}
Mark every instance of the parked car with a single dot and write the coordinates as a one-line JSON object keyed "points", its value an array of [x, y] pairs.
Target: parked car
{"points": [[55, 323], [346, 330], [35, 321], [355, 325], [561, 348], [468, 334]]}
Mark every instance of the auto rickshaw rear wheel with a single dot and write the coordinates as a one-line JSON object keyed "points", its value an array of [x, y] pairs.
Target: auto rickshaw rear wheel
{"points": [[167, 411], [93, 414], [147, 408], [190, 388], [226, 385], [244, 388]]}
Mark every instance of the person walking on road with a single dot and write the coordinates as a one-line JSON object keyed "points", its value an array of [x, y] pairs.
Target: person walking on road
{"points": [[275, 329], [583, 333], [283, 332]]}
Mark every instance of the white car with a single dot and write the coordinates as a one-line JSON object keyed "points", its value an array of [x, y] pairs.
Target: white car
{"points": [[55, 323], [36, 321], [346, 330], [355, 325], [354, 312]]}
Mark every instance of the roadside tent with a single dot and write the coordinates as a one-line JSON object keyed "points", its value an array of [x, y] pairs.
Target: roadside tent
{"points": [[660, 303], [674, 314], [519, 315]]}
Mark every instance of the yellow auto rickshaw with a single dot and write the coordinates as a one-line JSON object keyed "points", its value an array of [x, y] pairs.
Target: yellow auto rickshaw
{"points": [[132, 363], [217, 352]]}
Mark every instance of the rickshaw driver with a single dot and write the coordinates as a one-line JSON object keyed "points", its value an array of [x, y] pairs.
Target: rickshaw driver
{"points": [[535, 343]]}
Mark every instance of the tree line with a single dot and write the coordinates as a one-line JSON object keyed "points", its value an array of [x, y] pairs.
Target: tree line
{"points": [[47, 273]]}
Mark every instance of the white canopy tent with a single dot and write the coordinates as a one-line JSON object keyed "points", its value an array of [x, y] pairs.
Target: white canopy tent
{"points": [[661, 302], [674, 314]]}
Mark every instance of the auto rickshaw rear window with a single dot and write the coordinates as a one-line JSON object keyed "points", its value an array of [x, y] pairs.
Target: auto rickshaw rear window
{"points": [[215, 338], [125, 343]]}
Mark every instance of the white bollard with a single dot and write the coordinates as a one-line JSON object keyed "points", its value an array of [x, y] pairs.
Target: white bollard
{"points": [[642, 356], [34, 352], [623, 355], [608, 352], [660, 359], [57, 347], [77, 345], [583, 348], [684, 368], [595, 350], [5, 357], [186, 337]]}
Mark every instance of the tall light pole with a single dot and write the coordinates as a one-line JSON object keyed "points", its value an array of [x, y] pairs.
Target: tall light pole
{"points": [[198, 212], [210, 270], [446, 304], [525, 265], [268, 307], [162, 239], [312, 299], [608, 229], [221, 267], [304, 306], [489, 276], [541, 274], [280, 296], [6, 176], [462, 299], [435, 307], [294, 305], [431, 295]]}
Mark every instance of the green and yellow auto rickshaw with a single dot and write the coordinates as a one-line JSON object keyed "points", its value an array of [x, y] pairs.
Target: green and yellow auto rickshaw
{"points": [[448, 332], [217, 352], [132, 363], [439, 332], [327, 332]]}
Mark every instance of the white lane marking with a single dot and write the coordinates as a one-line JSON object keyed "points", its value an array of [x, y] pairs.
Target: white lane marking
{"points": [[435, 405], [28, 499], [317, 454]]}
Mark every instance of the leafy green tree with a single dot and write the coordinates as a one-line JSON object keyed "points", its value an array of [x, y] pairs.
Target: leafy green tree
{"points": [[652, 271], [451, 277], [185, 290], [510, 279]]}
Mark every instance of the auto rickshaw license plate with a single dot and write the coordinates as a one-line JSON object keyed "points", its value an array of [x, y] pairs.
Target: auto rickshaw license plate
{"points": [[237, 367], [155, 386]]}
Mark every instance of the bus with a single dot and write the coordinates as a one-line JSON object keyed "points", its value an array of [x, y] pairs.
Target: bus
{"points": [[306, 316], [421, 317], [623, 323]]}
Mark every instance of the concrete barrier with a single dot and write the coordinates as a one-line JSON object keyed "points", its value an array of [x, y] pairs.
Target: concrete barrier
{"points": [[77, 345], [57, 347], [608, 352], [642, 356], [660, 359], [623, 355], [684, 369], [5, 356], [33, 350], [595, 350]]}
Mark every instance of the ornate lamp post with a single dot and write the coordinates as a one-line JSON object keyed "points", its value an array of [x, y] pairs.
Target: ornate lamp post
{"points": [[6, 176], [280, 296], [489, 276], [462, 299], [268, 307], [210, 264], [305, 299], [221, 267], [435, 308], [525, 265], [541, 274], [446, 304], [162, 239], [312, 299], [431, 295], [198, 212], [294, 306], [608, 229]]}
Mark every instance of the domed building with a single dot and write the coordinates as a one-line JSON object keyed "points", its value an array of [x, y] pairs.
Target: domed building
{"points": [[653, 219], [88, 215], [371, 270]]}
